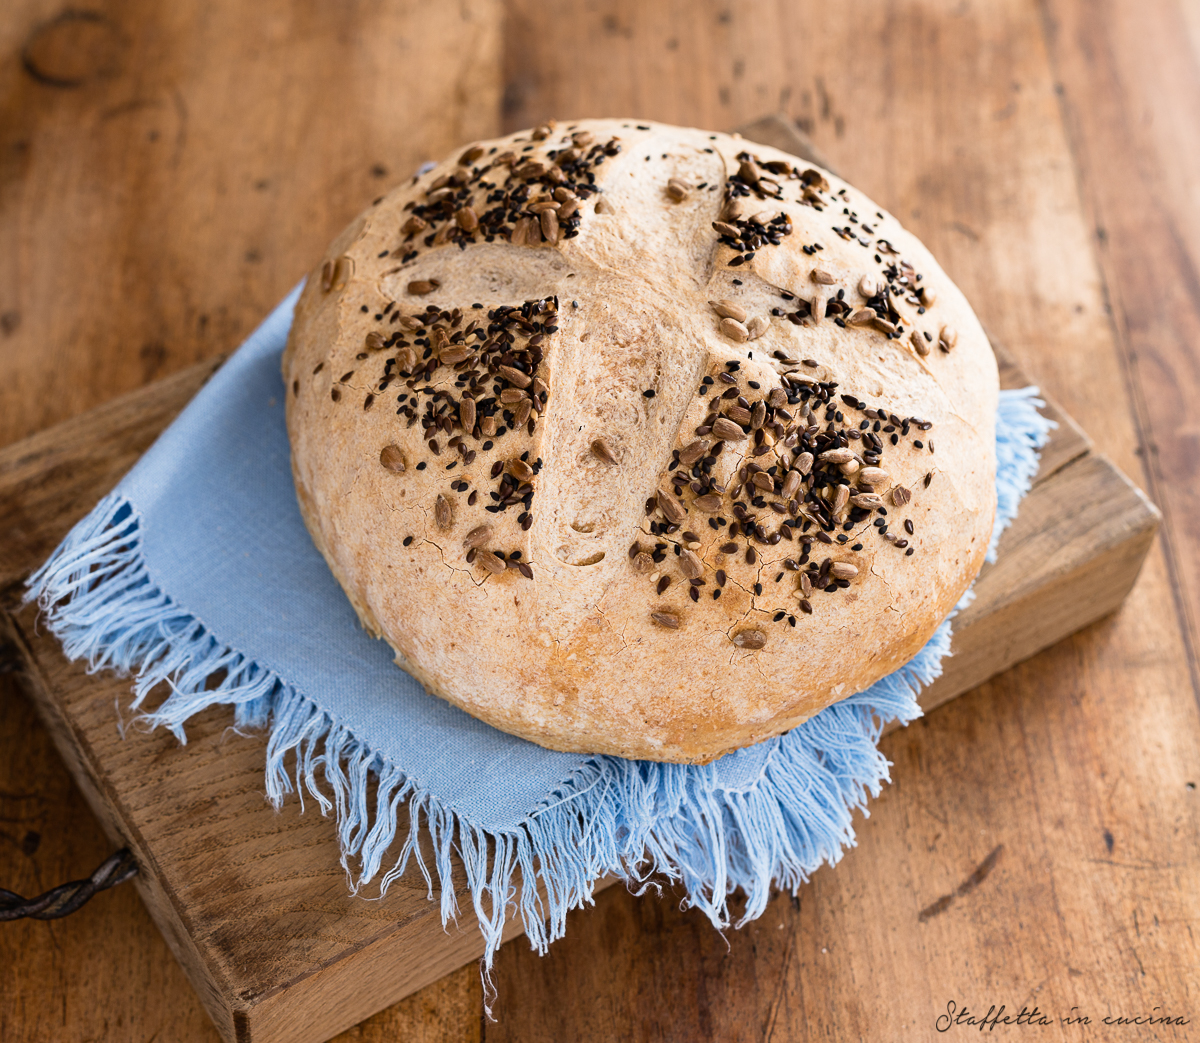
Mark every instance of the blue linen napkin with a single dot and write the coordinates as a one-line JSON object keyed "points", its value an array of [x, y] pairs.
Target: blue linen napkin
{"points": [[199, 563]]}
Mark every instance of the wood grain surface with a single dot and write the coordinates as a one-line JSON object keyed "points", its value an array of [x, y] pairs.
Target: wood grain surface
{"points": [[167, 171]]}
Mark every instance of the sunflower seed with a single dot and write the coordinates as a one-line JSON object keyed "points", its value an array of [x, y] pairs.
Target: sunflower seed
{"points": [[928, 296], [804, 463], [442, 513], [691, 566], [469, 157], [738, 415], [452, 356], [861, 317], [805, 584], [843, 570], [883, 326], [727, 229], [678, 190], [520, 470], [709, 503], [490, 562], [487, 426], [340, 273], [747, 172], [414, 225], [549, 223], [819, 275], [478, 536], [420, 287], [514, 376], [521, 413], [836, 456], [466, 413], [900, 496], [373, 341], [666, 619], [757, 326], [734, 330], [872, 476], [727, 431], [602, 452], [692, 452], [919, 343], [751, 639], [728, 309], [643, 562], [671, 508], [868, 286], [521, 231], [867, 501], [840, 497], [392, 458], [947, 338]]}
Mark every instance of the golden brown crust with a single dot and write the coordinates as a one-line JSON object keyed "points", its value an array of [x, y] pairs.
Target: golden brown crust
{"points": [[600, 606]]}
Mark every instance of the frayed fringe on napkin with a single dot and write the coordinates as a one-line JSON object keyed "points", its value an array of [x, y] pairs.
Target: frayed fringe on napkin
{"points": [[637, 819]]}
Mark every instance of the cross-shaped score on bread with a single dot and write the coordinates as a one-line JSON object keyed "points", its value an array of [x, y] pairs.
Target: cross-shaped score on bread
{"points": [[592, 423]]}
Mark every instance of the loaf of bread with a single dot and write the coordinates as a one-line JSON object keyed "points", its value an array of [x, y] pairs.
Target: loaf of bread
{"points": [[641, 440]]}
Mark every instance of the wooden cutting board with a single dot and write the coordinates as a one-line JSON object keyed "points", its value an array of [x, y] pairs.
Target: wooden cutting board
{"points": [[253, 902]]}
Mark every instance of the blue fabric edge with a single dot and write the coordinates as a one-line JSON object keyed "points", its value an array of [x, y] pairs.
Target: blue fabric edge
{"points": [[634, 819]]}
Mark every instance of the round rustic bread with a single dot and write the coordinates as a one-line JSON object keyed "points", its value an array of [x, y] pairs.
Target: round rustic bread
{"points": [[641, 440]]}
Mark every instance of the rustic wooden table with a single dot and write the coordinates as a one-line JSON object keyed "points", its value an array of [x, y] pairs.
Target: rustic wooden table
{"points": [[168, 171]]}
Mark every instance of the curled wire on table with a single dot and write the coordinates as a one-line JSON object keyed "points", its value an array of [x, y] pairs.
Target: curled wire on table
{"points": [[67, 898]]}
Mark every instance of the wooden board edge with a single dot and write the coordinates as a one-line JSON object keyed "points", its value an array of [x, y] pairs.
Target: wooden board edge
{"points": [[289, 1012], [106, 805]]}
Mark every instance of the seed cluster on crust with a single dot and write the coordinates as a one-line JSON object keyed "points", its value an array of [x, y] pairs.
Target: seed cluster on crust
{"points": [[813, 475]]}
